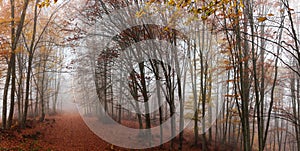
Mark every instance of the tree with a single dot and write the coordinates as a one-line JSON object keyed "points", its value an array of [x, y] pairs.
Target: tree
{"points": [[15, 35]]}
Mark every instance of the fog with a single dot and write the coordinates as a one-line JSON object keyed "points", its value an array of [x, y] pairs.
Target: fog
{"points": [[66, 99]]}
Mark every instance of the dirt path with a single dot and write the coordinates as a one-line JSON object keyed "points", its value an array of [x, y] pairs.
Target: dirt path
{"points": [[69, 132], [63, 132]]}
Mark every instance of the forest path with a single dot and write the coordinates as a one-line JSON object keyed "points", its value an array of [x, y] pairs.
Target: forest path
{"points": [[69, 132], [66, 131]]}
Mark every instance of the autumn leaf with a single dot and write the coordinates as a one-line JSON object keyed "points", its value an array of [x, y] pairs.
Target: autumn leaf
{"points": [[140, 13], [261, 19], [167, 28], [281, 10], [270, 14], [172, 2], [4, 52], [203, 18]]}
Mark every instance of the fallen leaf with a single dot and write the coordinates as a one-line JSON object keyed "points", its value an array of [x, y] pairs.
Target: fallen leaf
{"points": [[261, 19]]}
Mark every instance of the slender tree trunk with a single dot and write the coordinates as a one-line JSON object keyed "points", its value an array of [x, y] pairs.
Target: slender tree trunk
{"points": [[179, 90], [155, 67], [13, 89], [5, 94], [146, 98], [29, 67], [20, 88], [13, 67], [27, 90], [43, 88]]}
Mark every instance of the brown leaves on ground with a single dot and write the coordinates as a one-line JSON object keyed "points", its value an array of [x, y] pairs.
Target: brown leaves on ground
{"points": [[66, 132], [63, 132]]}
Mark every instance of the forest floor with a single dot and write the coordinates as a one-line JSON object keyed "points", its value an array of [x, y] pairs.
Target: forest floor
{"points": [[66, 132]]}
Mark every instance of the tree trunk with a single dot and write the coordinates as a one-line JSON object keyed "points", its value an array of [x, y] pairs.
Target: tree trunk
{"points": [[5, 94]]}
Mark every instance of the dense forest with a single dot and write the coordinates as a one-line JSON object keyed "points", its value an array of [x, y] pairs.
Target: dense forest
{"points": [[212, 74]]}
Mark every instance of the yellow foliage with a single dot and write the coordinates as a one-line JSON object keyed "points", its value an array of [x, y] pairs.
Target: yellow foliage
{"points": [[184, 3], [140, 13], [172, 2], [46, 3], [203, 17]]}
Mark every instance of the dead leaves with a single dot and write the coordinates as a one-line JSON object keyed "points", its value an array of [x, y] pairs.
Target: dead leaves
{"points": [[46, 3], [261, 19]]}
